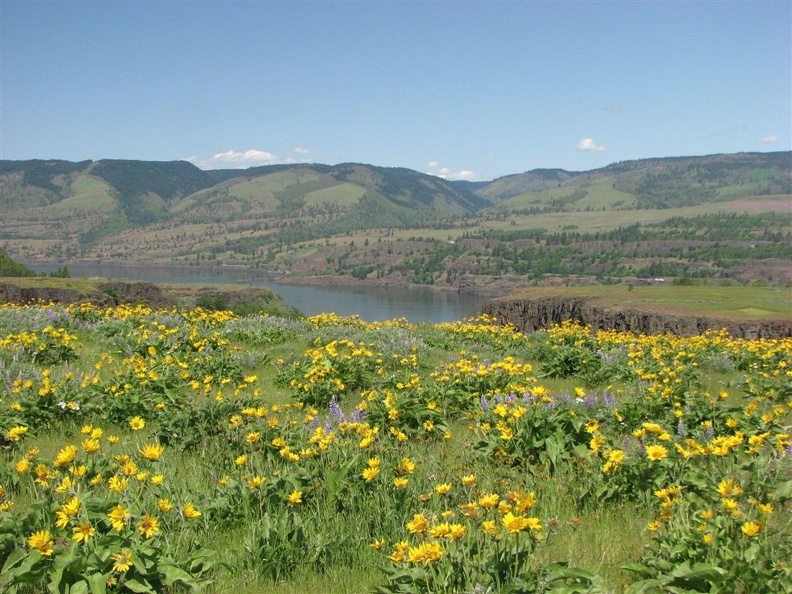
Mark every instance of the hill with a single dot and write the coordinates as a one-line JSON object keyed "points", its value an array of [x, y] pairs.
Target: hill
{"points": [[725, 217]]}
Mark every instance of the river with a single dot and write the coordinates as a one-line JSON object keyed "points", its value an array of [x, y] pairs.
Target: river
{"points": [[372, 304]]}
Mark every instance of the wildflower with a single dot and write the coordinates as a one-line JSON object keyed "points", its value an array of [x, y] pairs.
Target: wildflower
{"points": [[137, 423], [406, 466], [148, 526], [489, 501], [241, 460], [256, 482], [469, 480], [654, 526], [751, 528], [117, 484], [443, 488], [295, 498], [400, 482], [729, 487], [190, 512], [41, 541], [152, 451], [418, 524], [371, 473], [65, 456], [23, 466], [157, 479], [118, 517], [15, 433], [83, 532], [426, 553], [165, 505], [122, 561], [656, 452], [489, 527], [707, 538], [378, 544]]}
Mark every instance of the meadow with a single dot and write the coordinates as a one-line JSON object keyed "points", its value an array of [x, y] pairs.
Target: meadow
{"points": [[188, 450]]}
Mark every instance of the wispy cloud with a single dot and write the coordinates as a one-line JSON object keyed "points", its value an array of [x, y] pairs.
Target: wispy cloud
{"points": [[613, 107], [768, 139], [447, 173], [588, 144], [250, 158]]}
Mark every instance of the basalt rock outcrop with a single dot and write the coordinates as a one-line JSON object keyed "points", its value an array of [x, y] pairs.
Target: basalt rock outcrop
{"points": [[529, 315]]}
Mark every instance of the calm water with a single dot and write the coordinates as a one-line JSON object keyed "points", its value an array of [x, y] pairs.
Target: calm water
{"points": [[370, 303]]}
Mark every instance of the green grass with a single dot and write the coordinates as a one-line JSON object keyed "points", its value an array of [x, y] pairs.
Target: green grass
{"points": [[734, 302], [87, 194]]}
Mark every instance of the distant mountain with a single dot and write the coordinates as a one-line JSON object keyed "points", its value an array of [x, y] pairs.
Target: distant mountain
{"points": [[650, 183], [107, 196], [712, 216]]}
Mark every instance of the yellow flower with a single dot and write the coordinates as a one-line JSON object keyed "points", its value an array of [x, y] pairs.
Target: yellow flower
{"points": [[118, 517], [729, 487], [371, 473], [418, 524], [256, 482], [378, 544], [122, 561], [15, 433], [117, 484], [295, 497], [190, 512], [489, 527], [469, 480], [443, 488], [23, 466], [83, 532], [489, 501], [137, 423], [707, 538], [165, 505], [157, 479], [751, 528], [654, 526], [152, 451], [148, 526], [241, 460], [426, 553], [41, 541], [406, 466], [65, 456], [400, 482], [656, 452]]}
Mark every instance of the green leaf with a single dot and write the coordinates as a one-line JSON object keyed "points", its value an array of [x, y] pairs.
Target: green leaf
{"points": [[138, 585], [80, 587], [173, 574], [98, 583]]}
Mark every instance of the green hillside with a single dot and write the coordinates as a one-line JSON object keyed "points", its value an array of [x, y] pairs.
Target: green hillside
{"points": [[717, 217]]}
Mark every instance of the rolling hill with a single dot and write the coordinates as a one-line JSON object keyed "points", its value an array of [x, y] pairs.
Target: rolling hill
{"points": [[716, 216]]}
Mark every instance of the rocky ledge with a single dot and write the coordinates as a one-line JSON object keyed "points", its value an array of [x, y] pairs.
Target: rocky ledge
{"points": [[531, 314]]}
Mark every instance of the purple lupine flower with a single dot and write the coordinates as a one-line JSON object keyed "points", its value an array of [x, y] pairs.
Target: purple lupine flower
{"points": [[314, 424], [328, 425], [484, 403], [681, 431], [335, 410], [710, 430], [788, 450], [357, 415], [590, 401]]}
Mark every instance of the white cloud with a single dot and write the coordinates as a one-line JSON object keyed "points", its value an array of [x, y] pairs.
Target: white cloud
{"points": [[769, 139], [448, 173], [249, 158], [588, 144]]}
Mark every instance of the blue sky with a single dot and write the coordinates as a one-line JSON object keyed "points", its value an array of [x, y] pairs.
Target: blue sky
{"points": [[465, 90]]}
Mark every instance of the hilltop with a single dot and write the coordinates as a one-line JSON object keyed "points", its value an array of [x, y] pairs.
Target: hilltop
{"points": [[717, 217]]}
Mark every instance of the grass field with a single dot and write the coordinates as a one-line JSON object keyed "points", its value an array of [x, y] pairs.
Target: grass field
{"points": [[734, 302], [167, 451]]}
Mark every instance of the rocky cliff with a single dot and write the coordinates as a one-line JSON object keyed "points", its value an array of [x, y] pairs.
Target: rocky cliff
{"points": [[529, 315]]}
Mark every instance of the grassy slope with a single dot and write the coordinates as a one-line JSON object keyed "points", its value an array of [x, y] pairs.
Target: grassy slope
{"points": [[741, 303]]}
